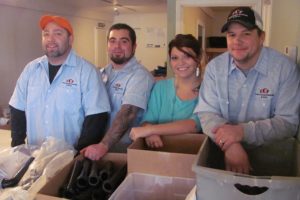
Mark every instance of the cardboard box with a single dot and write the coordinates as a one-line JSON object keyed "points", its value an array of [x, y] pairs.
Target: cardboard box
{"points": [[175, 159], [138, 186], [51, 190], [275, 175]]}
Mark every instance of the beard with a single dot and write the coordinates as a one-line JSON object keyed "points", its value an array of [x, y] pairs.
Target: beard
{"points": [[58, 51], [53, 54], [120, 60]]}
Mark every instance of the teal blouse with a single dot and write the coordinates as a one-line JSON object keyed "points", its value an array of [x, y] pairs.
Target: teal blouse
{"points": [[165, 106]]}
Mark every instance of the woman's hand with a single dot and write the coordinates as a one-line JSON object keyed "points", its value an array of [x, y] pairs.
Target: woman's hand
{"points": [[154, 141], [140, 132]]}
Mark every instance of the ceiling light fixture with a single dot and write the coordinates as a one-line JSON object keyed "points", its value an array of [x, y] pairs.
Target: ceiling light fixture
{"points": [[116, 11]]}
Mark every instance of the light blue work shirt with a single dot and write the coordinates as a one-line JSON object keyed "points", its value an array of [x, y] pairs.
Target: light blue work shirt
{"points": [[266, 101], [130, 85], [58, 109], [165, 106]]}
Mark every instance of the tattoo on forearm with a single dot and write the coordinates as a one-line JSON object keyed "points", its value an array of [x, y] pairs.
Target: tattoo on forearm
{"points": [[123, 121]]}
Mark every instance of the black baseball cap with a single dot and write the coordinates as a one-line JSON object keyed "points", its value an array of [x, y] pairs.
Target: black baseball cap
{"points": [[245, 16]]}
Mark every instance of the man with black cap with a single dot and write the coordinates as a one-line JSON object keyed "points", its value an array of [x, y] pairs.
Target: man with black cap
{"points": [[59, 94], [250, 94]]}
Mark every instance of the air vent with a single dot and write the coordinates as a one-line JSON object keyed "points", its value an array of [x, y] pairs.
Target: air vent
{"points": [[100, 25]]}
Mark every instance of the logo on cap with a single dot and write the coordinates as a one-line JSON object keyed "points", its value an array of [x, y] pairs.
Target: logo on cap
{"points": [[237, 13], [244, 16]]}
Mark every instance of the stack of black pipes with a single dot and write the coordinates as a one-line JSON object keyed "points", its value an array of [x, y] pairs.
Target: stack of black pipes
{"points": [[88, 180]]}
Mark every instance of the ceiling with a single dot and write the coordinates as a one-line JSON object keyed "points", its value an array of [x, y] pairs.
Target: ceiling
{"points": [[118, 6]]}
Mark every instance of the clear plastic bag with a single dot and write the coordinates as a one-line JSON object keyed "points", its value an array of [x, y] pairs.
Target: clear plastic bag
{"points": [[12, 159], [48, 151], [51, 156]]}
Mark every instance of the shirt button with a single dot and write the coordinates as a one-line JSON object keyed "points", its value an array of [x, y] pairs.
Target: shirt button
{"points": [[244, 85], [46, 122], [227, 102], [243, 104]]}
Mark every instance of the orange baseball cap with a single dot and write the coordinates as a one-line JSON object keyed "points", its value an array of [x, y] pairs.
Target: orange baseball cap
{"points": [[63, 22]]}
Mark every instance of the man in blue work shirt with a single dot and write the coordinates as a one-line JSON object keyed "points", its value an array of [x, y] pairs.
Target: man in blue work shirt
{"points": [[59, 94], [250, 94], [129, 85]]}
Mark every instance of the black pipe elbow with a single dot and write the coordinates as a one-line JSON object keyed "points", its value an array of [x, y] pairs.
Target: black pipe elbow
{"points": [[94, 178], [114, 181], [106, 171], [5, 183], [83, 178], [98, 194], [68, 191]]}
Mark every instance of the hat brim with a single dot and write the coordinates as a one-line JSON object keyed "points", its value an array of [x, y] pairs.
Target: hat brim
{"points": [[247, 25]]}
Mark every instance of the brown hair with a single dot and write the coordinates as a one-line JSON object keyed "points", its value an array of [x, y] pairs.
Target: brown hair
{"points": [[189, 41]]}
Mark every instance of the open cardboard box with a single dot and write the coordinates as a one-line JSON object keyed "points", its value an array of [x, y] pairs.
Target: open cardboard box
{"points": [[174, 159], [138, 186], [51, 190], [275, 174]]}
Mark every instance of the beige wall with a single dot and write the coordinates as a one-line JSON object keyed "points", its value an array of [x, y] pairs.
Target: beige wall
{"points": [[191, 17], [285, 25], [149, 57], [218, 22]]}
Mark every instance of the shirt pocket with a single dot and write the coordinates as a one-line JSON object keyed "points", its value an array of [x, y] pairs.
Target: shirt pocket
{"points": [[262, 106], [68, 99]]}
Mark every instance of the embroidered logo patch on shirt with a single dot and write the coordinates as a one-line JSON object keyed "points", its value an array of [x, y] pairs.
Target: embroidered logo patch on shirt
{"points": [[264, 93], [70, 82], [117, 87]]}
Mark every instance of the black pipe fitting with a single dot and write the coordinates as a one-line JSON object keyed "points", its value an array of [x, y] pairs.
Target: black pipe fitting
{"points": [[106, 171], [83, 178], [5, 183], [69, 190], [114, 181], [94, 178]]}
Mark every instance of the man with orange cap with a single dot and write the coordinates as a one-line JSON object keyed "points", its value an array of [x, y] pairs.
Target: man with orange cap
{"points": [[59, 94]]}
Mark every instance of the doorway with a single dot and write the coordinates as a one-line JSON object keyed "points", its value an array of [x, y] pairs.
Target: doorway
{"points": [[260, 6], [201, 34], [100, 57]]}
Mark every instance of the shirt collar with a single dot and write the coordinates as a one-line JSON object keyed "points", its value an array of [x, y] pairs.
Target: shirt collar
{"points": [[128, 67], [70, 61]]}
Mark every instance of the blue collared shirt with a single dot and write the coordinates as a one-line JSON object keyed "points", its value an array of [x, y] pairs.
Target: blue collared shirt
{"points": [[266, 101], [59, 109], [130, 85]]}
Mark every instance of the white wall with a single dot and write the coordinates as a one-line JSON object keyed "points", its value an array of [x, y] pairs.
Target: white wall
{"points": [[21, 36], [149, 57]]}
